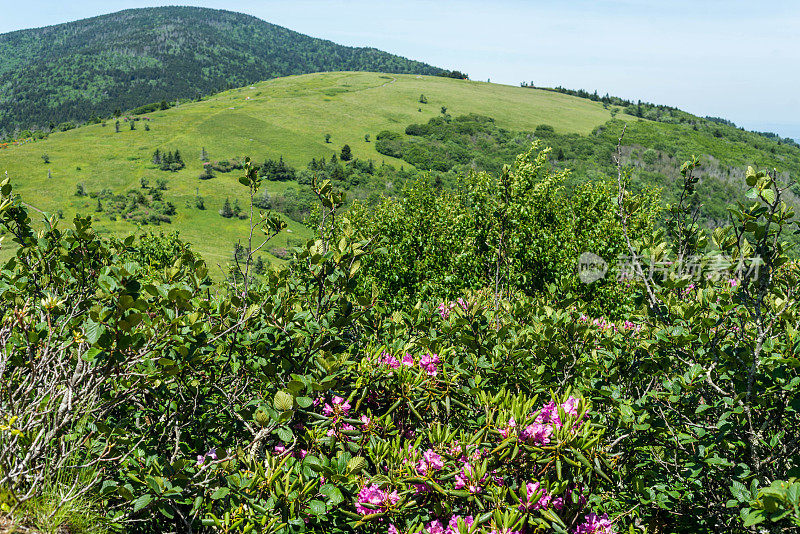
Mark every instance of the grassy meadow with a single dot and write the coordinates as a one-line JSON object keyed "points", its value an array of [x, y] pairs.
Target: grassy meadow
{"points": [[286, 117]]}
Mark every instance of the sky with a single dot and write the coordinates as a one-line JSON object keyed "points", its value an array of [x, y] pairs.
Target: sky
{"points": [[726, 58]]}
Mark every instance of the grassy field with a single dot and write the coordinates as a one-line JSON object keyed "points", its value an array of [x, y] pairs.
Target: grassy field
{"points": [[286, 117]]}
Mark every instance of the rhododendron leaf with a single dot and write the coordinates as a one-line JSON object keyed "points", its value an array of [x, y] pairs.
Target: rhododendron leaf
{"points": [[220, 493], [333, 493], [318, 507]]}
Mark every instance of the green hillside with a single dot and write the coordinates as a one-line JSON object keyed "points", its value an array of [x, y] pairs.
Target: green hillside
{"points": [[91, 67], [286, 117]]}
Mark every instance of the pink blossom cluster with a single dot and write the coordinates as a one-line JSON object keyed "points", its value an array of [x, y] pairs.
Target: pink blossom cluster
{"points": [[595, 524], [437, 527], [468, 479], [390, 360], [427, 362], [537, 498], [280, 450], [337, 409], [446, 308], [604, 325], [546, 421], [372, 499], [201, 458], [430, 463]]}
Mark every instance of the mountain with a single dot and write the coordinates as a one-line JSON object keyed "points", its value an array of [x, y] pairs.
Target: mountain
{"points": [[92, 67]]}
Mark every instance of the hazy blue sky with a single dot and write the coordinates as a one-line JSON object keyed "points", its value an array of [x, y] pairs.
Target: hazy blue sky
{"points": [[735, 59]]}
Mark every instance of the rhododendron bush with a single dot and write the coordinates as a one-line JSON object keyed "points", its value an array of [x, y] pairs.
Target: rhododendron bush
{"points": [[347, 392]]}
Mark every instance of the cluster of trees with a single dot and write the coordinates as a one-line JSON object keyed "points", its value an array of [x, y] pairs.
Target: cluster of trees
{"points": [[432, 364], [277, 171], [168, 160], [142, 206], [453, 74]]}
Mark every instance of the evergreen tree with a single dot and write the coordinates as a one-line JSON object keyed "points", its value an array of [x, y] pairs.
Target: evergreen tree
{"points": [[366, 138], [99, 206], [327, 138], [80, 190], [157, 157], [45, 158], [422, 99], [146, 127], [346, 154], [133, 125], [226, 210], [116, 126]]}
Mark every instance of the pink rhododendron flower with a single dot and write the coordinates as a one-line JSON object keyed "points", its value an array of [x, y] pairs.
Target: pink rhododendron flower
{"points": [[536, 498], [408, 360], [571, 406], [429, 363], [372, 499], [389, 360], [452, 526], [430, 462], [505, 432], [435, 527], [595, 524], [538, 434]]}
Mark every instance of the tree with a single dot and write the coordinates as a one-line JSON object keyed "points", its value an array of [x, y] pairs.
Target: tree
{"points": [[80, 190], [99, 206], [146, 127], [422, 99], [327, 138], [133, 125], [203, 154], [157, 157], [366, 138], [49, 174], [143, 182], [444, 110], [45, 158], [226, 210], [200, 202], [346, 154], [116, 126]]}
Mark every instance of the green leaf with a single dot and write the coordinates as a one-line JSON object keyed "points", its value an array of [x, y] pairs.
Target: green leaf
{"points": [[220, 493], [141, 502], [332, 493], [93, 331], [318, 507]]}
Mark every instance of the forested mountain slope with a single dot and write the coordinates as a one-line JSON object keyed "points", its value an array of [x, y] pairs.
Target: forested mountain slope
{"points": [[73, 71]]}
